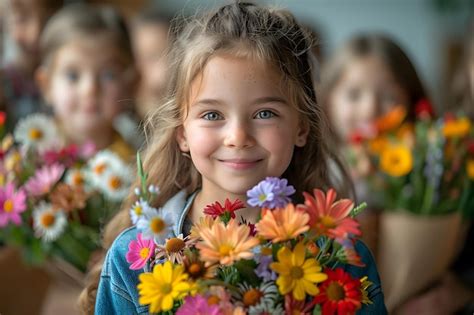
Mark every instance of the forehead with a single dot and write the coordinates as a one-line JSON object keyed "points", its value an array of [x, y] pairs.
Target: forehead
{"points": [[369, 69], [227, 76]]}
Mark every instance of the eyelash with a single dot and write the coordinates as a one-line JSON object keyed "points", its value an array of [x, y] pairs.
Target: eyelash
{"points": [[206, 115]]}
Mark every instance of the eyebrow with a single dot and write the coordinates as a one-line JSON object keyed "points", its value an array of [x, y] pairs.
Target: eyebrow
{"points": [[260, 100]]}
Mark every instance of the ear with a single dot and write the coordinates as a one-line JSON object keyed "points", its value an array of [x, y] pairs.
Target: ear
{"points": [[302, 135], [181, 139], [43, 81]]}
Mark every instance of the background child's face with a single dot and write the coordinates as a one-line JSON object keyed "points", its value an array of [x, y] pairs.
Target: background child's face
{"points": [[87, 85], [240, 127], [150, 41], [366, 90], [25, 20]]}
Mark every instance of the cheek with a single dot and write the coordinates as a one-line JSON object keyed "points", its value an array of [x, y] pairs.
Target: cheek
{"points": [[62, 98]]}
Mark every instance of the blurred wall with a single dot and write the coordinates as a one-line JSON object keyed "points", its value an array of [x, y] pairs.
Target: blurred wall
{"points": [[428, 33]]}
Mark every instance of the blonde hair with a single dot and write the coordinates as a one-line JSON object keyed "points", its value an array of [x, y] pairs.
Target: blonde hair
{"points": [[83, 21], [241, 29]]}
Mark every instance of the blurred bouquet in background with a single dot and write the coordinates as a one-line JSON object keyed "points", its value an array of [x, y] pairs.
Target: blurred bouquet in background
{"points": [[421, 174], [294, 259], [54, 198], [425, 167]]}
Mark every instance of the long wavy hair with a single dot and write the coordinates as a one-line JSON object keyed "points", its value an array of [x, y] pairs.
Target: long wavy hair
{"points": [[244, 30]]}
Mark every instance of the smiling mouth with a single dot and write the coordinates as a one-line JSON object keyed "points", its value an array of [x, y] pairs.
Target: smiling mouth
{"points": [[239, 164]]}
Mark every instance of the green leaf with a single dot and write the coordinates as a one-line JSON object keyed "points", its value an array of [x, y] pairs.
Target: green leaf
{"points": [[246, 269]]}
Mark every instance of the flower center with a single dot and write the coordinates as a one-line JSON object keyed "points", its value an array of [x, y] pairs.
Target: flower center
{"points": [[328, 222], [157, 225], [225, 250], [47, 219], [8, 206], [213, 300], [296, 272], [395, 159], [262, 197], [174, 245], [77, 179], [252, 297], [138, 210], [115, 182], [195, 269], [100, 168], [166, 288], [144, 252], [36, 134], [266, 251], [335, 292]]}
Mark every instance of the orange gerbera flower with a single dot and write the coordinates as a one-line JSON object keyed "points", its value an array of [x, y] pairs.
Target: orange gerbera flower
{"points": [[226, 243], [330, 217], [392, 119], [282, 224]]}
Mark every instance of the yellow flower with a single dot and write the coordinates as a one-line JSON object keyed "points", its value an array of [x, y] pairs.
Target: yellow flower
{"points": [[161, 288], [296, 274], [396, 160], [457, 127], [470, 168], [282, 224], [226, 244]]}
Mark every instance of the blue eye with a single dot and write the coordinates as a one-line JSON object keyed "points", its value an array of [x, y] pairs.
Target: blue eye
{"points": [[212, 116], [265, 114], [108, 75], [72, 76]]}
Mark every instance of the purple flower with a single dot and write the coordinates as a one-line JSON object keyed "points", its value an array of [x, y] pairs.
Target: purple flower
{"points": [[270, 193], [197, 305], [263, 271]]}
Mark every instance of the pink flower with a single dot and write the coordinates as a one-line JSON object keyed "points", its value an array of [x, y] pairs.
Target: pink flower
{"points": [[330, 217], [11, 205], [44, 179], [197, 305], [66, 156], [139, 252]]}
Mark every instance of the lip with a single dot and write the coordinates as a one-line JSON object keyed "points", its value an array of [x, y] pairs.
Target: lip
{"points": [[240, 164]]}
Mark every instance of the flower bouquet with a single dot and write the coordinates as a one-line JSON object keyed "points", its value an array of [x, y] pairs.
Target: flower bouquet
{"points": [[55, 198], [291, 260], [422, 175]]}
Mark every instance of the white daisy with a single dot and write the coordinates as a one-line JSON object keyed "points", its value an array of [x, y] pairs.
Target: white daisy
{"points": [[136, 212], [39, 132], [49, 223], [100, 164], [76, 177], [258, 300], [154, 225], [115, 183]]}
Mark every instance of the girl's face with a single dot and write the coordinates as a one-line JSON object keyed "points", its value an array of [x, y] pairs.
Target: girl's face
{"points": [[240, 127], [366, 90], [87, 86]]}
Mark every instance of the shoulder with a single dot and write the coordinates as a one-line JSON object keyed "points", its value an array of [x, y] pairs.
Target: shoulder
{"points": [[118, 282], [369, 271]]}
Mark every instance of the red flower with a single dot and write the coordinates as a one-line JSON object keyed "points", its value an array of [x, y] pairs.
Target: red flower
{"points": [[293, 306], [424, 109], [470, 147], [340, 293], [67, 156], [216, 209], [3, 117]]}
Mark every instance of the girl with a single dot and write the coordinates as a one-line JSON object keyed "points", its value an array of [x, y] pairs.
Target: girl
{"points": [[241, 107], [87, 74], [363, 80]]}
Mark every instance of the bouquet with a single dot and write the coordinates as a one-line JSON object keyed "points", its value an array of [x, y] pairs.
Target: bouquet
{"points": [[290, 260], [425, 167], [54, 197]]}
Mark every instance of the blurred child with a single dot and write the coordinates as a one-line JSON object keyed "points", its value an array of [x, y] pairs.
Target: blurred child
{"points": [[150, 38], [87, 74], [455, 292], [366, 78], [25, 20]]}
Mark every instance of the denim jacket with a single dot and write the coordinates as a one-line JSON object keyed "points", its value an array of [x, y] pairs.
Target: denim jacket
{"points": [[118, 294]]}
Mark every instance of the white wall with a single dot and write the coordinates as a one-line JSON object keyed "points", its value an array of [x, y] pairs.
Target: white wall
{"points": [[417, 25]]}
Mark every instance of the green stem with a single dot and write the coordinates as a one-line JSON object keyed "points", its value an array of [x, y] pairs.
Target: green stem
{"points": [[427, 200]]}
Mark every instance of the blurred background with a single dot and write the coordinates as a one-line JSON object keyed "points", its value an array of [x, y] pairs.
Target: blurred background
{"points": [[435, 35]]}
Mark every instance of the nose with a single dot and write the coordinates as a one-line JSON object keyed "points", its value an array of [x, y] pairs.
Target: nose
{"points": [[239, 135], [90, 88]]}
